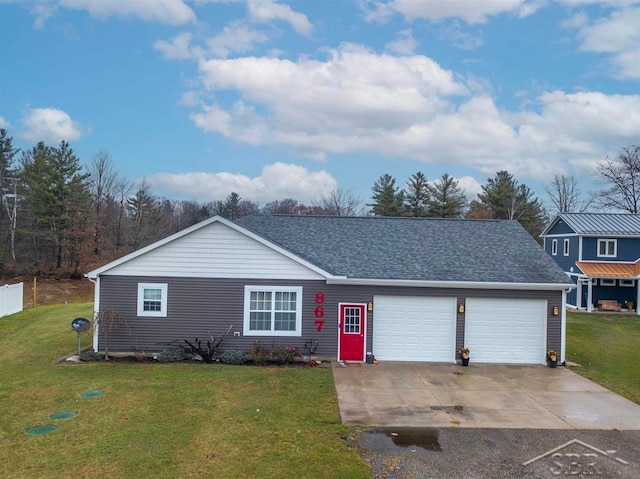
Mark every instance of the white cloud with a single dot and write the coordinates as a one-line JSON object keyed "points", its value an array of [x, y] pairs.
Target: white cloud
{"points": [[50, 125], [470, 186], [618, 35], [42, 11], [235, 38], [171, 12], [276, 181], [436, 10], [459, 37], [404, 45], [357, 101], [179, 48], [268, 10], [4, 123]]}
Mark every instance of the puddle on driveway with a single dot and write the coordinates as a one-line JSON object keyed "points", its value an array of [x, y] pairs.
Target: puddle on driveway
{"points": [[424, 437]]}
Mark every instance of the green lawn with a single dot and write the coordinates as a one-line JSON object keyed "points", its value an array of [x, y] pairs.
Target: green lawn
{"points": [[607, 347], [160, 420]]}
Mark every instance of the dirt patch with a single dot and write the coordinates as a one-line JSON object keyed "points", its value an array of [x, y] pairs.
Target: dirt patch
{"points": [[49, 291]]}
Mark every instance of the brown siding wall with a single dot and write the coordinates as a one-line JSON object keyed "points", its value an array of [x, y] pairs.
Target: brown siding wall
{"points": [[199, 307]]}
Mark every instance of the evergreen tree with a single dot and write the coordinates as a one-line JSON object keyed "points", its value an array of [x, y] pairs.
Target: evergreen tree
{"points": [[388, 199], [57, 199], [231, 206], [418, 195], [8, 196], [509, 200], [447, 199]]}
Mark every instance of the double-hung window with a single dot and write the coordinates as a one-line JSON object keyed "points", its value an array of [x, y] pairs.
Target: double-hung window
{"points": [[607, 248], [566, 247], [152, 299], [272, 311]]}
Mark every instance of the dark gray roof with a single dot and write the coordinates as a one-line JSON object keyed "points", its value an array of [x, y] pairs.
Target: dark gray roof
{"points": [[602, 223], [424, 249]]}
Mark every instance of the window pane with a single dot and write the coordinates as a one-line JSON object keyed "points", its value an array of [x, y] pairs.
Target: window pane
{"points": [[285, 322], [152, 299], [611, 245], [155, 294], [285, 301], [260, 321]]}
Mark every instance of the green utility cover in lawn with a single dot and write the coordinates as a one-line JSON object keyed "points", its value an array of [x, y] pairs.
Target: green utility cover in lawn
{"points": [[39, 430], [92, 394], [63, 415]]}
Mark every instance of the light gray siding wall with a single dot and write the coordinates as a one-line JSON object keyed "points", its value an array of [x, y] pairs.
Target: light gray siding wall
{"points": [[200, 306]]}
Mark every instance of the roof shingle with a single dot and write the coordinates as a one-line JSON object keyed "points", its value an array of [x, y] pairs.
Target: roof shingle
{"points": [[422, 249]]}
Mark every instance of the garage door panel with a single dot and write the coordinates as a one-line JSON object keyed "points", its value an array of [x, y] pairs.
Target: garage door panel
{"points": [[506, 330], [413, 328]]}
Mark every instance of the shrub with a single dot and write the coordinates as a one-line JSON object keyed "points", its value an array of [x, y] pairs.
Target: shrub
{"points": [[170, 356], [257, 354], [91, 355], [234, 356], [285, 355]]}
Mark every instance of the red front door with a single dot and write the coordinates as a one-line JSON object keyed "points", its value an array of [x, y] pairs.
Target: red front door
{"points": [[351, 336]]}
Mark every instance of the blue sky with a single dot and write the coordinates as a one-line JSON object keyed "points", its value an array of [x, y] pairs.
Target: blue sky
{"points": [[275, 99]]}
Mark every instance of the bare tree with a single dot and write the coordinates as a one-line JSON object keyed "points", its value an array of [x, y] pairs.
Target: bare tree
{"points": [[622, 180], [565, 195], [339, 202]]}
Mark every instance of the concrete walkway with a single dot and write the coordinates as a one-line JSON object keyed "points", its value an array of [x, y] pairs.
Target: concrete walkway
{"points": [[478, 396]]}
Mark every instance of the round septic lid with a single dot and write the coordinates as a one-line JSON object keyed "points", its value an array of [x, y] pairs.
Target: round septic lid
{"points": [[39, 430], [93, 393], [63, 415]]}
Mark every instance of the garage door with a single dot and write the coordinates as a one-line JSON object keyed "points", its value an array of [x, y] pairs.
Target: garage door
{"points": [[506, 330], [409, 328]]}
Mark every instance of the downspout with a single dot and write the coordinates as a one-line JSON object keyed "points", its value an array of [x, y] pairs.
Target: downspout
{"points": [[563, 328]]}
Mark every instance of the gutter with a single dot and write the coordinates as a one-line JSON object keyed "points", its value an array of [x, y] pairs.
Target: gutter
{"points": [[452, 284]]}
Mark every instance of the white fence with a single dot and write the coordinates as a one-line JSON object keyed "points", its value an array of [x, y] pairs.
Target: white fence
{"points": [[10, 299]]}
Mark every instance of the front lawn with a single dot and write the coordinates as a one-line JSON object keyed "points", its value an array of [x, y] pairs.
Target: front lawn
{"points": [[160, 420], [607, 347]]}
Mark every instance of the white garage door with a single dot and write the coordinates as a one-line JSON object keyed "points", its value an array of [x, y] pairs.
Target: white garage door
{"points": [[506, 330], [409, 328]]}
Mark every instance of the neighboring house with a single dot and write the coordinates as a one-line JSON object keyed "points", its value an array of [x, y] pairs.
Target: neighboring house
{"points": [[403, 289], [601, 254]]}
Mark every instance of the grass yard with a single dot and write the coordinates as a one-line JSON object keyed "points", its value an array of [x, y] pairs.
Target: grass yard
{"points": [[607, 347], [160, 420]]}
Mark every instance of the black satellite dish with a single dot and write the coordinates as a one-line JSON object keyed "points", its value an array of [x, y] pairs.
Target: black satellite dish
{"points": [[80, 325]]}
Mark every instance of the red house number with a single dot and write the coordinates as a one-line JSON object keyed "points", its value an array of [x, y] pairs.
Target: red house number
{"points": [[319, 312]]}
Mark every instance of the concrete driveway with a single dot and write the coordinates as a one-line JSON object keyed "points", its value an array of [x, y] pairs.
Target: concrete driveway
{"points": [[478, 396]]}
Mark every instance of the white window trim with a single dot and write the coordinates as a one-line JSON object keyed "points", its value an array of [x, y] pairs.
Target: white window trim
{"points": [[566, 247], [607, 282], [627, 283], [615, 248], [554, 247], [248, 289], [164, 288]]}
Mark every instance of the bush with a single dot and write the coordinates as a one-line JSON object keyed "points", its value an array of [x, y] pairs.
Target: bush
{"points": [[91, 355], [278, 354], [170, 356], [257, 354], [234, 356]]}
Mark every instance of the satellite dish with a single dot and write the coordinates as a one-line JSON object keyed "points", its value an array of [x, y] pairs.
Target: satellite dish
{"points": [[80, 325]]}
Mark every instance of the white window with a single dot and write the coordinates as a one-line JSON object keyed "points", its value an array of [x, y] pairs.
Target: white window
{"points": [[554, 247], [607, 247], [272, 311], [152, 299], [629, 283], [607, 282], [566, 247]]}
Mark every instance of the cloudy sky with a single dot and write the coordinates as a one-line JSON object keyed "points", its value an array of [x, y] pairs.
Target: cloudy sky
{"points": [[275, 99]]}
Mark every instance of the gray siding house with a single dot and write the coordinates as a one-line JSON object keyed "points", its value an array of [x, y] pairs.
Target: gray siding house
{"points": [[402, 289]]}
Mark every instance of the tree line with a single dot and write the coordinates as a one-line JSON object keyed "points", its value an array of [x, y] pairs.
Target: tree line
{"points": [[58, 217]]}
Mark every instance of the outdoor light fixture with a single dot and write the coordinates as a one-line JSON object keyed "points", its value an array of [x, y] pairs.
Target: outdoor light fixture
{"points": [[555, 311], [370, 306], [461, 308]]}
